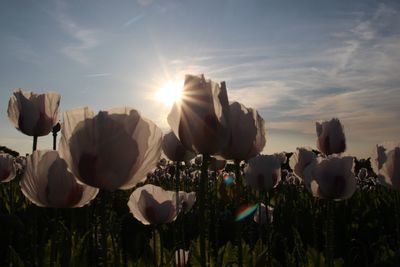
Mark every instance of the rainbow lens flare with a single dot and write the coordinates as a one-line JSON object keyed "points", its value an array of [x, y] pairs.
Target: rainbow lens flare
{"points": [[228, 179], [245, 211]]}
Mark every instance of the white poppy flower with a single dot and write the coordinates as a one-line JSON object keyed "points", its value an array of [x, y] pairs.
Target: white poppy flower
{"points": [[33, 114], [174, 149], [263, 172], [331, 178], [331, 138], [7, 168], [300, 159], [247, 133], [200, 120], [114, 149], [386, 164], [48, 183], [151, 204]]}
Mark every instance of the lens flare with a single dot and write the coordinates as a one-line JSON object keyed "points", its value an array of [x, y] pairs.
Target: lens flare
{"points": [[245, 211], [228, 179]]}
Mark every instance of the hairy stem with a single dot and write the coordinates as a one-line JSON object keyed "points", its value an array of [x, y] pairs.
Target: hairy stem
{"points": [[202, 193], [34, 145], [177, 223], [330, 235], [237, 203]]}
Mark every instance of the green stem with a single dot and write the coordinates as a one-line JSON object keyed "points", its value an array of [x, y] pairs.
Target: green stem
{"points": [[237, 203], [314, 206], [202, 192], [34, 145], [96, 225], [104, 228], [11, 193], [260, 227], [215, 212], [329, 241], [177, 223], [161, 247], [54, 141], [34, 235], [154, 247], [268, 231], [210, 215], [53, 241], [115, 249], [397, 217]]}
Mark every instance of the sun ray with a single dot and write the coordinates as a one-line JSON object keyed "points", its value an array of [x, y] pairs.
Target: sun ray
{"points": [[170, 92]]}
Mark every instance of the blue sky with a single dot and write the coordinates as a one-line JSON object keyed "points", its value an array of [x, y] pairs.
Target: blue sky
{"points": [[295, 61]]}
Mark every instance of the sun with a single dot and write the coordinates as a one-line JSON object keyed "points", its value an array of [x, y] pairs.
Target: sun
{"points": [[170, 92]]}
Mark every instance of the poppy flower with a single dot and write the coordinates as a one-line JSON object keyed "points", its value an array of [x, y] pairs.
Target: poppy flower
{"points": [[200, 118], [33, 114], [174, 150], [300, 159], [47, 182], [331, 138], [151, 204], [247, 133], [331, 178], [263, 172], [386, 164], [7, 168], [114, 149]]}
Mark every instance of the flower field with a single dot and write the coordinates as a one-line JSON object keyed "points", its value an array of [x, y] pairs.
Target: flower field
{"points": [[117, 191]]}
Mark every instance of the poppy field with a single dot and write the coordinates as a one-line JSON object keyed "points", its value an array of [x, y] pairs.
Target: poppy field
{"points": [[118, 191]]}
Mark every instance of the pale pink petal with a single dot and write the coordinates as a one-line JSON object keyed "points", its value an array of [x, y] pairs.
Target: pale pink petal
{"points": [[33, 114], [247, 133], [331, 178], [174, 149], [152, 205], [136, 207], [48, 183], [7, 168], [331, 138], [199, 120], [263, 172], [34, 181], [149, 158], [112, 150], [300, 159]]}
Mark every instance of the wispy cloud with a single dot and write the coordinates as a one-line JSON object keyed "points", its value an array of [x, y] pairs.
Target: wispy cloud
{"points": [[354, 77], [94, 75], [144, 2], [134, 20], [84, 39], [263, 95]]}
